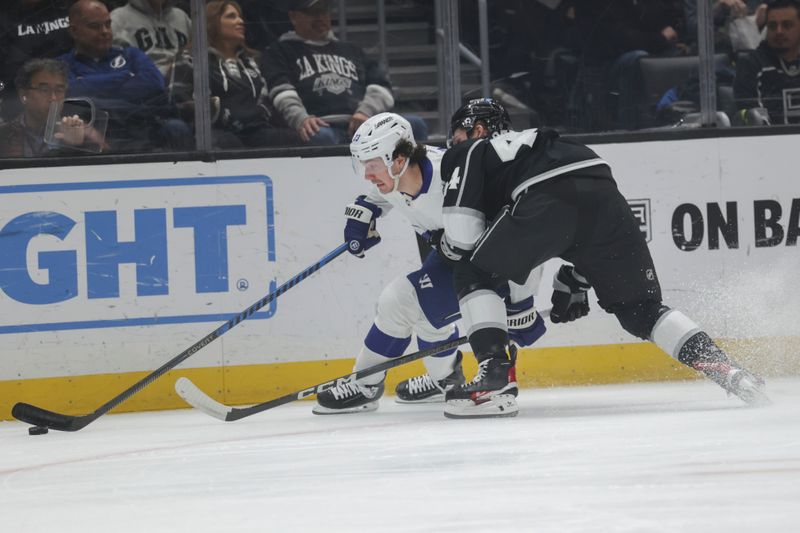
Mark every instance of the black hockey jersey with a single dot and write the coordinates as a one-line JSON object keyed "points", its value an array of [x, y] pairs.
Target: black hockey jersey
{"points": [[483, 176]]}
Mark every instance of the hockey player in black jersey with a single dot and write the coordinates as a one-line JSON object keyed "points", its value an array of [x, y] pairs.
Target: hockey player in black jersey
{"points": [[520, 198]]}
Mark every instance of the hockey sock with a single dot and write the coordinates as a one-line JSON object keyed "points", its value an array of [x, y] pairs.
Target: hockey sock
{"points": [[439, 366], [378, 346], [489, 343], [671, 332], [701, 349]]}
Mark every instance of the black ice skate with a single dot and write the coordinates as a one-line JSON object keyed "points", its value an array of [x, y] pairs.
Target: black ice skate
{"points": [[424, 389], [735, 380], [492, 392], [348, 398]]}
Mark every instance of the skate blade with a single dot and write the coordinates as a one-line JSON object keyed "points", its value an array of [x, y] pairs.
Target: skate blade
{"points": [[366, 408], [751, 393], [438, 398], [500, 406], [754, 397]]}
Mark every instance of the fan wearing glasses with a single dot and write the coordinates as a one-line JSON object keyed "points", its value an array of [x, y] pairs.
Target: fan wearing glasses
{"points": [[40, 83]]}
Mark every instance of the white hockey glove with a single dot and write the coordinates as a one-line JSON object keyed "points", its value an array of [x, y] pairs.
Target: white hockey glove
{"points": [[359, 231], [525, 325], [569, 295]]}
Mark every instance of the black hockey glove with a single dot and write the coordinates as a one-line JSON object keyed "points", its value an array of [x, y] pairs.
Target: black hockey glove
{"points": [[569, 295], [359, 231]]}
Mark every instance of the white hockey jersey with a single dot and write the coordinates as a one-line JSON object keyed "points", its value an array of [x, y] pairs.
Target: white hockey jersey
{"points": [[423, 212]]}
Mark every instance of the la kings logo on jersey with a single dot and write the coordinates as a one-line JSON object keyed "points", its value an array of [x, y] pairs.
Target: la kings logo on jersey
{"points": [[43, 28], [335, 73], [332, 83]]}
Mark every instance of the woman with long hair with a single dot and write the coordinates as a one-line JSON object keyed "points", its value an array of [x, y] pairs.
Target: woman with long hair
{"points": [[242, 116]]}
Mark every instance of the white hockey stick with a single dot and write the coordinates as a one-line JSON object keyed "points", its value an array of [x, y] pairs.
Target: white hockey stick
{"points": [[201, 401]]}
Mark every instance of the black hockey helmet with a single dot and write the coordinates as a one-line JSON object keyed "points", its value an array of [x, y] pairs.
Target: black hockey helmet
{"points": [[487, 110]]}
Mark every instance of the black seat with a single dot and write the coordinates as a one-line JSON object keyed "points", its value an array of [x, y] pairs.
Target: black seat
{"points": [[660, 74]]}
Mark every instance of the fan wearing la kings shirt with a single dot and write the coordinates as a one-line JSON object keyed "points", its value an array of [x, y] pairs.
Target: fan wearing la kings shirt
{"points": [[312, 74], [29, 29], [513, 202]]}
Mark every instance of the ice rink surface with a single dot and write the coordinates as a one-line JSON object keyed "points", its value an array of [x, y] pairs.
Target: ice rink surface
{"points": [[661, 457]]}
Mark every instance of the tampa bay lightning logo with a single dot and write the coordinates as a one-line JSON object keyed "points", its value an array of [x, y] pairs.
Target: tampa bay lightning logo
{"points": [[118, 62]]}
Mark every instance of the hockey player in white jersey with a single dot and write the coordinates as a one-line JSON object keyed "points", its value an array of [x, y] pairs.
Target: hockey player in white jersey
{"points": [[406, 179]]}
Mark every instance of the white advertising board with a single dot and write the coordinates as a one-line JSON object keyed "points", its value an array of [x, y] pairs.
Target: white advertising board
{"points": [[118, 268]]}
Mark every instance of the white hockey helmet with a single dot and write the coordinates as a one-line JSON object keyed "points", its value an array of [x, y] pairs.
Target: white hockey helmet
{"points": [[377, 138]]}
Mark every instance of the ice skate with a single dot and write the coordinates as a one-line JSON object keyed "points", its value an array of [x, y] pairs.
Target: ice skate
{"points": [[750, 388], [348, 398], [492, 393], [424, 389]]}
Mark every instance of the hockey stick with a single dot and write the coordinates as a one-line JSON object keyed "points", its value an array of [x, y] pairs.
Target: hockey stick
{"points": [[61, 422], [198, 399], [203, 402]]}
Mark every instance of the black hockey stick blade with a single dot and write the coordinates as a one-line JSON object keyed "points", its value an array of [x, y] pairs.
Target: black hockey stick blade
{"points": [[61, 422], [37, 416], [203, 402]]}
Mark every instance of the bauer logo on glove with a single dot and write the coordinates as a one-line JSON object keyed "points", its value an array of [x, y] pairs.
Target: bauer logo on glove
{"points": [[359, 230]]}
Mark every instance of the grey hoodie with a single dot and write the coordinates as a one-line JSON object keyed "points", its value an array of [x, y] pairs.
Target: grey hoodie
{"points": [[161, 35]]}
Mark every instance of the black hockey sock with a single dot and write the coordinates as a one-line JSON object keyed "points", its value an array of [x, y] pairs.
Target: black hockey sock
{"points": [[489, 343]]}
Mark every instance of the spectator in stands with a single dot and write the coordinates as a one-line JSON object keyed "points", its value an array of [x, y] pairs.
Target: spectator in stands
{"points": [[616, 34], [39, 83], [122, 81], [311, 74], [240, 113], [266, 21], [737, 23], [156, 27], [532, 52], [767, 85], [29, 29]]}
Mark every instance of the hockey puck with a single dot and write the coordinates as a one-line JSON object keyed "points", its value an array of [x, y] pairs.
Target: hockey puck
{"points": [[38, 430]]}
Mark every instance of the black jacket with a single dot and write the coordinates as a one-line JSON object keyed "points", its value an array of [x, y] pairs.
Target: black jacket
{"points": [[238, 84], [763, 79], [610, 28]]}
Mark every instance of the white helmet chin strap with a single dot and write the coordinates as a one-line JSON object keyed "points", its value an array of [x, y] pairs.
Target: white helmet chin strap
{"points": [[396, 178]]}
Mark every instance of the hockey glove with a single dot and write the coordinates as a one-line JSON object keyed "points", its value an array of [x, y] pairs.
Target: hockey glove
{"points": [[359, 231], [438, 241], [525, 325], [569, 295]]}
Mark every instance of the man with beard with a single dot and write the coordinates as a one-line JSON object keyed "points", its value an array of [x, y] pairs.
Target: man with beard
{"points": [[768, 78]]}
